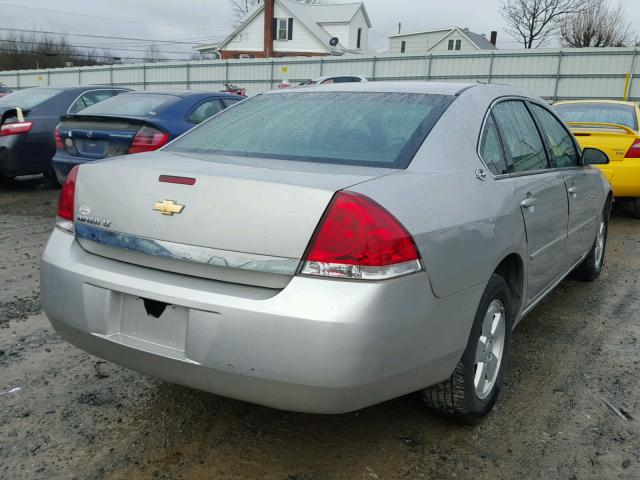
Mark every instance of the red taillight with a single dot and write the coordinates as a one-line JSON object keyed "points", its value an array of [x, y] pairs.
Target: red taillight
{"points": [[358, 238], [64, 218], [15, 128], [148, 139], [634, 150], [59, 144]]}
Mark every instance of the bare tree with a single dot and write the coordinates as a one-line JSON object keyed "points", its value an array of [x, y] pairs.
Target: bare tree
{"points": [[534, 22], [241, 8], [600, 25], [152, 54]]}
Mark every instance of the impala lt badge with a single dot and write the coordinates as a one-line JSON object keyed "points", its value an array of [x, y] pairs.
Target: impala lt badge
{"points": [[168, 207]]}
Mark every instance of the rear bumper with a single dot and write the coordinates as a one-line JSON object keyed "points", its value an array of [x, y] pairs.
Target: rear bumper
{"points": [[321, 346]]}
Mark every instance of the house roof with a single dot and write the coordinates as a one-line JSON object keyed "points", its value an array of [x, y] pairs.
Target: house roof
{"points": [[336, 13], [310, 16], [478, 40]]}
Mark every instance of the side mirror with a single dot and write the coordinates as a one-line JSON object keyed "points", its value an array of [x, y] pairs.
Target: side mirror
{"points": [[594, 156]]}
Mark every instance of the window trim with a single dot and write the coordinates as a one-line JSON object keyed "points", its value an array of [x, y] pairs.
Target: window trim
{"points": [[489, 117], [576, 145], [500, 134], [114, 89]]}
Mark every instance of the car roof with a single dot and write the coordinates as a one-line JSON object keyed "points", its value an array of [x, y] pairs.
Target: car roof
{"points": [[430, 88], [180, 92]]}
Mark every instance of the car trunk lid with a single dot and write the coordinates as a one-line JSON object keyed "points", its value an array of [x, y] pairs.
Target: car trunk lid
{"points": [[242, 223], [613, 139], [97, 137]]}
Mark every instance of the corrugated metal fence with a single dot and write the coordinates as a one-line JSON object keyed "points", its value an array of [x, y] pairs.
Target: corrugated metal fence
{"points": [[551, 73]]}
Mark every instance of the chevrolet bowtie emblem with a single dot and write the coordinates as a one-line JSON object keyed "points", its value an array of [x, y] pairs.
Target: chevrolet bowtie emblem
{"points": [[168, 207]]}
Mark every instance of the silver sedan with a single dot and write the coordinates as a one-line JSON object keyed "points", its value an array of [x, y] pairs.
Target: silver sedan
{"points": [[325, 249]]}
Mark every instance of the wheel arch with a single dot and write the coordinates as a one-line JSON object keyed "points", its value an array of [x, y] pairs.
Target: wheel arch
{"points": [[511, 268]]}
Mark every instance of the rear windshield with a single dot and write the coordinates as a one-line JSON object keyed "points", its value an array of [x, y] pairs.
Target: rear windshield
{"points": [[350, 128], [599, 113], [29, 98], [133, 104]]}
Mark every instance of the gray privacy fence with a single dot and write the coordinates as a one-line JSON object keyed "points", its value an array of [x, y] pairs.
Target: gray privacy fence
{"points": [[551, 73]]}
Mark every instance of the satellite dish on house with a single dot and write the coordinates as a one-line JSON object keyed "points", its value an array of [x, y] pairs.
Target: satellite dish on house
{"points": [[334, 41]]}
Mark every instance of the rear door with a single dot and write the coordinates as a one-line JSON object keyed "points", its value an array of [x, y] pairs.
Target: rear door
{"points": [[540, 191], [581, 182]]}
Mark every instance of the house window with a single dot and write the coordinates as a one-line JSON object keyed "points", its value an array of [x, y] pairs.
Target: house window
{"points": [[403, 47], [359, 38], [450, 46], [454, 45], [458, 44], [283, 30]]}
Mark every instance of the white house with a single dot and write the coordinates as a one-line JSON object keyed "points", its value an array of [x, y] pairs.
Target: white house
{"points": [[280, 28], [451, 39]]}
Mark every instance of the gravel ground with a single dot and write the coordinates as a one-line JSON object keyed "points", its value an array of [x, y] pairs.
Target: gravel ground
{"points": [[75, 416]]}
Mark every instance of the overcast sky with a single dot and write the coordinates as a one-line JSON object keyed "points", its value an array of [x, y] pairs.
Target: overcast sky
{"points": [[210, 21]]}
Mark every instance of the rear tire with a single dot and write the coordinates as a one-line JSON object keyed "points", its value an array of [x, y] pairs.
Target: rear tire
{"points": [[471, 391], [52, 178], [591, 266]]}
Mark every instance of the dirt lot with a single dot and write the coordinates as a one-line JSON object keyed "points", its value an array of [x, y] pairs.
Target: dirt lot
{"points": [[77, 417]]}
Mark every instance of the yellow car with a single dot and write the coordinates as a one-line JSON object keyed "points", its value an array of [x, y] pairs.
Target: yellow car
{"points": [[614, 127]]}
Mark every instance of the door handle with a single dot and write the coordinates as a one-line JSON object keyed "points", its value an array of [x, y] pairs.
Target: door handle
{"points": [[529, 203], [573, 191]]}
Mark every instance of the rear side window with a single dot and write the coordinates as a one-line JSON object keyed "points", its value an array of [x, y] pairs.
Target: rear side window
{"points": [[563, 150], [491, 148], [29, 98], [350, 128], [593, 112], [205, 110], [91, 98], [520, 136], [134, 104]]}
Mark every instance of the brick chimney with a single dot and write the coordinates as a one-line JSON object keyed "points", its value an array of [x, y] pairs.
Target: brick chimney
{"points": [[269, 8], [494, 37]]}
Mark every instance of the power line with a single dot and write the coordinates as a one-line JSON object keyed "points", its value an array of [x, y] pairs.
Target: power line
{"points": [[65, 12], [80, 55], [88, 35], [101, 47]]}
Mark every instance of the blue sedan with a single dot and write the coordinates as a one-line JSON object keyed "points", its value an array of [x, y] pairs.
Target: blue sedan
{"points": [[133, 122]]}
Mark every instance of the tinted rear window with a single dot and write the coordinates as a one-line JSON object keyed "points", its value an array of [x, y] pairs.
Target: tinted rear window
{"points": [[350, 128], [132, 104], [598, 112], [29, 98]]}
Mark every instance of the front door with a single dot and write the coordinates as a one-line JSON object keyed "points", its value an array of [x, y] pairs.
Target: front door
{"points": [[540, 191], [581, 183]]}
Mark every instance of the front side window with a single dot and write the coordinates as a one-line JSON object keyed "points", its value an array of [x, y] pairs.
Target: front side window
{"points": [[345, 128], [491, 148], [563, 150], [520, 136]]}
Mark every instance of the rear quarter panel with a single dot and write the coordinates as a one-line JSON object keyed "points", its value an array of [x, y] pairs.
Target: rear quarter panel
{"points": [[463, 227]]}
